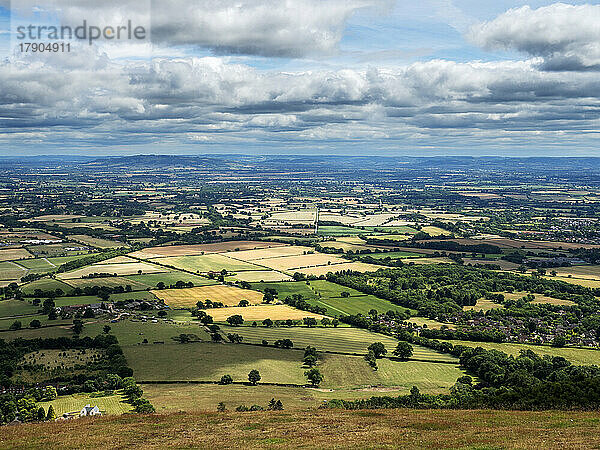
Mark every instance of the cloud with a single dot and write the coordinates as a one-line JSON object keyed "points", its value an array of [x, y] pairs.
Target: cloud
{"points": [[566, 37]]}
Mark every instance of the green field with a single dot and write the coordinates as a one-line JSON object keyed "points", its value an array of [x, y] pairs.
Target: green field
{"points": [[11, 271], [113, 404], [133, 333], [286, 288], [580, 356], [25, 320], [345, 340], [333, 230], [206, 263], [35, 333], [208, 361], [106, 281], [46, 284], [37, 265], [150, 280], [16, 307]]}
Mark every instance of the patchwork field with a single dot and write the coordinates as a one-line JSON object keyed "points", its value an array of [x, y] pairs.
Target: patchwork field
{"points": [[197, 249], [105, 281], [290, 263], [206, 263], [152, 279], [324, 270], [260, 275], [274, 252], [116, 269], [46, 284], [185, 298]]}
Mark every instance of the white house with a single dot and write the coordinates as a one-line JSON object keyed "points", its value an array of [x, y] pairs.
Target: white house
{"points": [[90, 411]]}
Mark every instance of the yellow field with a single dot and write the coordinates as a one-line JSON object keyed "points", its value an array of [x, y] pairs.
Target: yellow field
{"points": [[228, 295], [261, 312], [580, 281], [429, 322], [119, 269], [117, 260], [435, 231], [197, 249], [261, 275], [539, 298], [14, 253], [583, 272], [274, 252], [356, 266], [301, 261]]}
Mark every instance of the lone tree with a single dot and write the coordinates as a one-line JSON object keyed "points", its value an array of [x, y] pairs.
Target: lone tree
{"points": [[77, 326], [378, 349], [403, 350], [254, 377], [226, 379], [35, 323], [50, 415], [235, 320], [106, 329], [267, 323], [243, 303], [314, 375]]}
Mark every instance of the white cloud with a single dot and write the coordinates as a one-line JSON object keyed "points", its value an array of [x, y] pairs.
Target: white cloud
{"points": [[567, 37]]}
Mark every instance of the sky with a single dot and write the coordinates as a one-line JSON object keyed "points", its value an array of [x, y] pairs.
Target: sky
{"points": [[343, 77]]}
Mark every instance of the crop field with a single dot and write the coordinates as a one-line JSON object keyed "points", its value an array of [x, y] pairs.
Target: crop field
{"points": [[14, 254], [435, 231], [542, 300], [580, 281], [197, 249], [301, 261], [10, 271], [112, 404], [336, 230], [97, 242], [261, 312], [355, 266], [260, 275], [274, 252], [184, 298], [580, 356], [117, 269], [287, 288], [37, 265], [209, 361], [582, 272], [46, 284], [117, 260], [390, 237], [207, 263], [483, 305]]}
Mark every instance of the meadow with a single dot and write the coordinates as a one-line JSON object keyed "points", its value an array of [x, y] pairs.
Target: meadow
{"points": [[14, 254], [213, 262], [198, 249], [111, 405], [116, 269]]}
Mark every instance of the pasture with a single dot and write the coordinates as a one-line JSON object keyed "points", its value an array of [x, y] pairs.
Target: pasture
{"points": [[60, 358], [274, 252], [10, 271], [292, 263], [46, 284], [13, 307], [260, 275], [133, 333], [105, 281], [228, 295]]}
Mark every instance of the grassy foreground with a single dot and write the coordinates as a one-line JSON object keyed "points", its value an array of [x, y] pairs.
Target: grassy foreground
{"points": [[318, 429]]}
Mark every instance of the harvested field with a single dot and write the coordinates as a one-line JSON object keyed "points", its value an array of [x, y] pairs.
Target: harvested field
{"points": [[261, 312], [152, 279], [301, 261], [14, 254], [228, 295], [118, 260], [118, 269], [197, 249], [107, 281], [11, 271], [482, 305], [213, 262], [356, 266], [255, 255], [580, 281], [582, 272], [97, 242], [261, 275]]}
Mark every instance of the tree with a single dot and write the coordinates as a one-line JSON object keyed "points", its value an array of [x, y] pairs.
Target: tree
{"points": [[106, 329], [88, 313], [335, 323], [378, 349], [345, 294], [50, 415], [325, 321], [243, 303], [41, 414], [162, 313], [226, 379], [35, 323], [221, 407], [371, 360], [160, 285], [267, 323], [254, 377], [268, 297], [216, 337], [48, 306], [314, 375], [403, 350], [310, 360], [16, 325], [559, 341], [77, 326], [49, 393], [235, 338], [310, 321], [235, 320]]}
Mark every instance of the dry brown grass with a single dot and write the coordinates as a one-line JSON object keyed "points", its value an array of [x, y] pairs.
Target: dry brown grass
{"points": [[228, 295], [197, 249], [317, 429], [323, 270], [291, 263], [14, 253]]}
